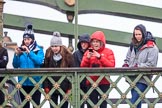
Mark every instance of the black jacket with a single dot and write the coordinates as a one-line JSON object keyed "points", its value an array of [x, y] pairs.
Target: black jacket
{"points": [[78, 54], [65, 62], [3, 59]]}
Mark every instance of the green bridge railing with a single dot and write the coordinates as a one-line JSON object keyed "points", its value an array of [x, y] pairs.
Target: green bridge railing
{"points": [[117, 95]]}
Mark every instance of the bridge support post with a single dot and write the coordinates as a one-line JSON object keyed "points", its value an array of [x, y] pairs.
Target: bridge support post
{"points": [[1, 18], [70, 17]]}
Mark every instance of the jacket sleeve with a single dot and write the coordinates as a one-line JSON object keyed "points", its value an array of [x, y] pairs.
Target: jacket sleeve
{"points": [[85, 61], [152, 58], [76, 61], [126, 60], [3, 58], [108, 59], [16, 61], [38, 58]]}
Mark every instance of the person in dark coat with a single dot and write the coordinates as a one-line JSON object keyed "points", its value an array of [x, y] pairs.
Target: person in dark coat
{"points": [[3, 64], [83, 45], [57, 56], [9, 83]]}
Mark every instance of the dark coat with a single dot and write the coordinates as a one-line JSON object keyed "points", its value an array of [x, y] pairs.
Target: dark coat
{"points": [[3, 59], [66, 61], [78, 54]]}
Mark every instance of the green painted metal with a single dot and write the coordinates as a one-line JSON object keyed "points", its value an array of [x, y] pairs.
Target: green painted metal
{"points": [[56, 4], [47, 27], [76, 24], [76, 76], [106, 7], [121, 9], [90, 6], [40, 25]]}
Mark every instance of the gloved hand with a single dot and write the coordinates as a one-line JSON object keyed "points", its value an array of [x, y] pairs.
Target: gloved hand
{"points": [[47, 90], [68, 91], [125, 65]]}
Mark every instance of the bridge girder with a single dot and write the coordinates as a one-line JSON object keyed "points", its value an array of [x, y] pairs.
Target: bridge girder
{"points": [[103, 7], [109, 7]]}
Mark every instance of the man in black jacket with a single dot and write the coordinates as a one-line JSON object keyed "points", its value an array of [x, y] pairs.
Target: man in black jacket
{"points": [[83, 45], [3, 64]]}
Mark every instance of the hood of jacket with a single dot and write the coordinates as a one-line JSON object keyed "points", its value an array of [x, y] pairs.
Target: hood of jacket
{"points": [[142, 29], [99, 35], [137, 45], [83, 38]]}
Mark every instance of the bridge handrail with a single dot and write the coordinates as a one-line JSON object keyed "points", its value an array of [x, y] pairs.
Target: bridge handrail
{"points": [[75, 76]]}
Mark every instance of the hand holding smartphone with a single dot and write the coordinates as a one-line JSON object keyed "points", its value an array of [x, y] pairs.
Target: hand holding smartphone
{"points": [[90, 50], [22, 49]]}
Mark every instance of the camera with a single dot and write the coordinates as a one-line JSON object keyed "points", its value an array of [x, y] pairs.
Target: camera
{"points": [[22, 49], [90, 50]]}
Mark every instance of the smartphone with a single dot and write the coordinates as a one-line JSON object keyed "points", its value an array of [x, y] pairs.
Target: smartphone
{"points": [[90, 50], [22, 49]]}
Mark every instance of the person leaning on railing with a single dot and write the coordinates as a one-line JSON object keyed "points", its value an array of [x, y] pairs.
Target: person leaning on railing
{"points": [[29, 55], [57, 56], [98, 56], [142, 52], [83, 45]]}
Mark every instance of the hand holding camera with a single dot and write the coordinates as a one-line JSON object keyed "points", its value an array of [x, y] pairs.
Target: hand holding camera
{"points": [[24, 49], [21, 49], [96, 54], [90, 50]]}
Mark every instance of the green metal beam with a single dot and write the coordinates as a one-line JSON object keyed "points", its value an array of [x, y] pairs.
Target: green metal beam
{"points": [[122, 9], [55, 4], [110, 7], [67, 29]]}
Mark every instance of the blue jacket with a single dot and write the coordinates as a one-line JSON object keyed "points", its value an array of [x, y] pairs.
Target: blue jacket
{"points": [[32, 60]]}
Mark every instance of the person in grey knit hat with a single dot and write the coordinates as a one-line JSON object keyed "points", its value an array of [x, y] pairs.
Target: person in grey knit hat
{"points": [[56, 39], [57, 56]]}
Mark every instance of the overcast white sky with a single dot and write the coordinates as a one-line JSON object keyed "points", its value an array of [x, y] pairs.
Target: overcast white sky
{"points": [[104, 21]]}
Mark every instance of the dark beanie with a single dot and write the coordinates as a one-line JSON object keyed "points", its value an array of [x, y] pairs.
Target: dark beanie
{"points": [[29, 33]]}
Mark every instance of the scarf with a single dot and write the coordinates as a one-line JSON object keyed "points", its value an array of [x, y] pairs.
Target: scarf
{"points": [[57, 57], [138, 46], [32, 46]]}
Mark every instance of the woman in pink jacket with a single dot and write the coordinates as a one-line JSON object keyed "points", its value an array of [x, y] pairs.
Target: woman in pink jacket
{"points": [[98, 56]]}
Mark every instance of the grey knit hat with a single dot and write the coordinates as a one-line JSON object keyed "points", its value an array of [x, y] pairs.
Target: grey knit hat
{"points": [[56, 39]]}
